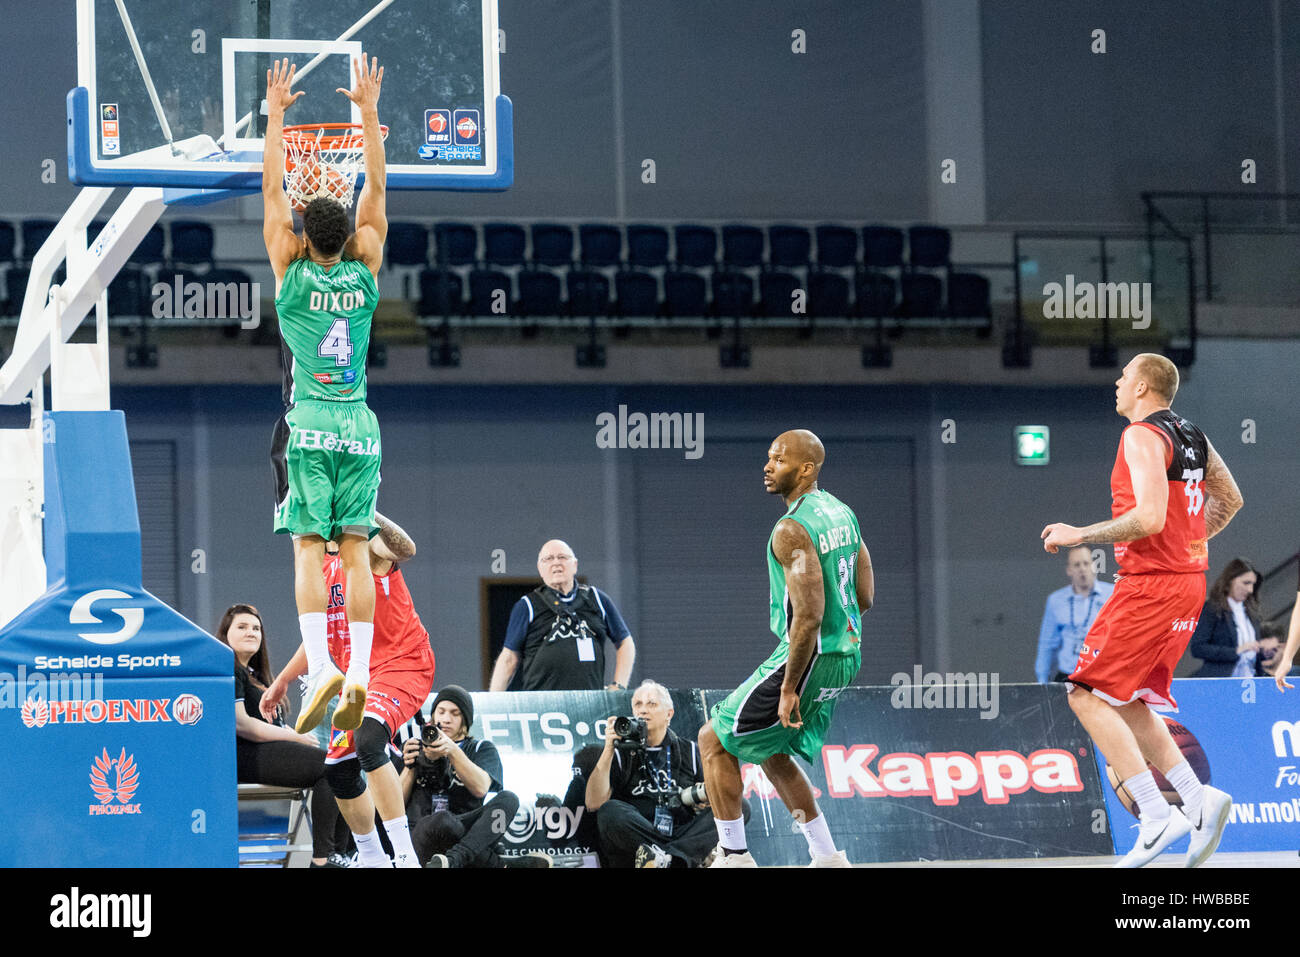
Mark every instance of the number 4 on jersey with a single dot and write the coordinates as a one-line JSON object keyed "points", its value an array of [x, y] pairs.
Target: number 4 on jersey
{"points": [[337, 343]]}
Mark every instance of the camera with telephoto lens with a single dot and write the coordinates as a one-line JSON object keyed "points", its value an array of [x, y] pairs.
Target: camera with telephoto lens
{"points": [[692, 797], [632, 731]]}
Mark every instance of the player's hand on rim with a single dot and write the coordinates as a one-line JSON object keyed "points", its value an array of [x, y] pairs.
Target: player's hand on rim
{"points": [[1059, 535], [788, 710], [366, 81], [279, 81]]}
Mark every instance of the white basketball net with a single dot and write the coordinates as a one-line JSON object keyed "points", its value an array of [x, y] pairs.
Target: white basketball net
{"points": [[323, 161]]}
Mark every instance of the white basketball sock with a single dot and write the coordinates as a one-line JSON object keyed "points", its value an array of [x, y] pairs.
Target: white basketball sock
{"points": [[361, 635], [314, 641], [399, 835], [370, 853], [1188, 786], [731, 834], [1151, 805], [819, 838]]}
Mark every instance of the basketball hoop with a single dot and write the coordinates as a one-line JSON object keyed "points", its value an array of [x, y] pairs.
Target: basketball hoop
{"points": [[323, 160]]}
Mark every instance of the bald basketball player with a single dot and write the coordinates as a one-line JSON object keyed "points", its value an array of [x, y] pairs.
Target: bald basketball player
{"points": [[821, 582], [1170, 494]]}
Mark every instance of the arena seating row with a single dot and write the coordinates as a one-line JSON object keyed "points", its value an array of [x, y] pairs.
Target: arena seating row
{"points": [[688, 271], [604, 270]]}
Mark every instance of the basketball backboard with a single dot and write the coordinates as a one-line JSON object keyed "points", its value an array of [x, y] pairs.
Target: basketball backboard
{"points": [[170, 91]]}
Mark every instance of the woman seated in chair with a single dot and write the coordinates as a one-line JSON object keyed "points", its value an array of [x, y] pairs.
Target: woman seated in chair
{"points": [[267, 753]]}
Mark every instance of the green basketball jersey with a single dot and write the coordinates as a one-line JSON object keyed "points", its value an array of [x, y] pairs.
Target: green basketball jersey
{"points": [[835, 535], [325, 315]]}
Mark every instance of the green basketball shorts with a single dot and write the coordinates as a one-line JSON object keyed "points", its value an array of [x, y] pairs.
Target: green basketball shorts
{"points": [[326, 461], [748, 726]]}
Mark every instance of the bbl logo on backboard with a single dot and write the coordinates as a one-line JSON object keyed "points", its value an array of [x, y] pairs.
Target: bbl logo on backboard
{"points": [[467, 127], [437, 127]]}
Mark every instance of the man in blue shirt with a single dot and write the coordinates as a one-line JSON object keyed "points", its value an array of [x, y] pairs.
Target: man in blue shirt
{"points": [[558, 632], [1069, 613]]}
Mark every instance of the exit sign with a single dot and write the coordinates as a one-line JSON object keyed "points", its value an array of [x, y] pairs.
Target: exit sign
{"points": [[1033, 444]]}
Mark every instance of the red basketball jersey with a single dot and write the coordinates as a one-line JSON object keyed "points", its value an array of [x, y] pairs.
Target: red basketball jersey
{"points": [[399, 633], [1181, 545]]}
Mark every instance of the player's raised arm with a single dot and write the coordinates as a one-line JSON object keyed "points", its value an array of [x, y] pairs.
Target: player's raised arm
{"points": [[1222, 497], [367, 243], [282, 244], [392, 544], [795, 550]]}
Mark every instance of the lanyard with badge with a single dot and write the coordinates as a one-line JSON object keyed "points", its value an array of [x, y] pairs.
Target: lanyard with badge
{"points": [[663, 814]]}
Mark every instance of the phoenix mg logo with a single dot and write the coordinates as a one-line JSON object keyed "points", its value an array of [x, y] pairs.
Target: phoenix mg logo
{"points": [[132, 618]]}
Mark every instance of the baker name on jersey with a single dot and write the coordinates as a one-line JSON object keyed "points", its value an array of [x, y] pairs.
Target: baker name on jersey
{"points": [[836, 537], [332, 442], [347, 301]]}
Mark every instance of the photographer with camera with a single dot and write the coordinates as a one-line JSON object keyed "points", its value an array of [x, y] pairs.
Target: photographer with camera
{"points": [[647, 790], [446, 777]]}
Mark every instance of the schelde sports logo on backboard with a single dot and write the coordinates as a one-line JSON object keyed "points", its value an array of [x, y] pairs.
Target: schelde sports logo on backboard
{"points": [[113, 781]]}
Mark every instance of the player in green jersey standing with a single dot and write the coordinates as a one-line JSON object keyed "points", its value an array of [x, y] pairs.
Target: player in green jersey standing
{"points": [[325, 450], [821, 583]]}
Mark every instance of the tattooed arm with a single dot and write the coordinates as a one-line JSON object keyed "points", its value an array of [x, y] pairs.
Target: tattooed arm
{"points": [[390, 546], [1222, 497], [1144, 452]]}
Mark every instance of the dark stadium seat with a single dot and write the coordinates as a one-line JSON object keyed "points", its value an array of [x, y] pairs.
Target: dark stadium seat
{"points": [[788, 246], [837, 247], [552, 245], [599, 245], [647, 246], [588, 293], [876, 294], [637, 293], [539, 293], [149, 252], [7, 237], [483, 286], [968, 296], [35, 232], [922, 295], [776, 294], [407, 245], [928, 247], [742, 247], [440, 293], [828, 295], [684, 294], [192, 242], [503, 244], [456, 244], [733, 294], [882, 247], [696, 246]]}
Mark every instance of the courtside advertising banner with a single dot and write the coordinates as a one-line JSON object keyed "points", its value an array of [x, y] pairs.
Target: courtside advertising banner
{"points": [[1242, 736], [926, 771], [943, 767]]}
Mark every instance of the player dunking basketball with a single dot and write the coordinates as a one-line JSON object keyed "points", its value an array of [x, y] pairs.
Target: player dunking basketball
{"points": [[325, 450], [1170, 493], [821, 583]]}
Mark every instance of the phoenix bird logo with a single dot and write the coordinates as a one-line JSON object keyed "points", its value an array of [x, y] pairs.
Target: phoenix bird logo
{"points": [[128, 778], [35, 713]]}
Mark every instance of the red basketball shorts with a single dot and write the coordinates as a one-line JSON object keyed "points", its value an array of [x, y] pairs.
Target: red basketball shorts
{"points": [[395, 693], [1138, 638]]}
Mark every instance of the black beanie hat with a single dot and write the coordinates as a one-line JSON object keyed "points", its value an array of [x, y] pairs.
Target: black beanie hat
{"points": [[461, 699]]}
